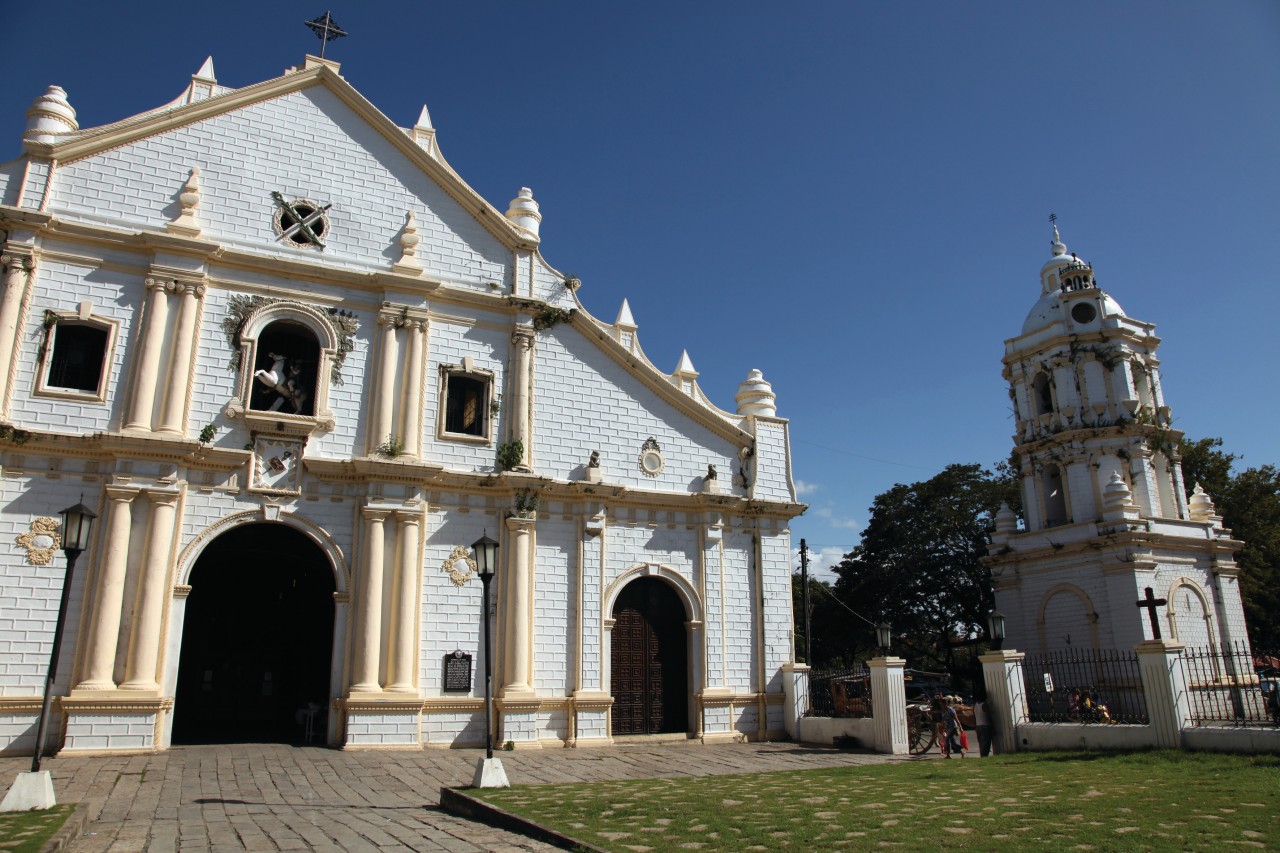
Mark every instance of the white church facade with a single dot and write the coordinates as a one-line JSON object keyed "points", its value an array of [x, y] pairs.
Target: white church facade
{"points": [[1107, 514], [298, 366]]}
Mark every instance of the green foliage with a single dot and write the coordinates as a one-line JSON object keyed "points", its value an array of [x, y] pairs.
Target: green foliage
{"points": [[526, 501], [390, 448], [207, 434], [14, 435], [240, 307], [509, 454], [919, 562], [27, 832], [551, 316], [1249, 503]]}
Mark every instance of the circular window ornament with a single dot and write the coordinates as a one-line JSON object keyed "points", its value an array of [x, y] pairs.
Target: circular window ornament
{"points": [[651, 461], [1084, 312], [300, 222]]}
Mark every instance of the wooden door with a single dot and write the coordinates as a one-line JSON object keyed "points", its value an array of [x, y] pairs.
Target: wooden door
{"points": [[649, 668]]}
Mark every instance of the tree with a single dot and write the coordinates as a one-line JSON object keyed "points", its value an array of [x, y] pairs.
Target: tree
{"points": [[919, 563], [1249, 503], [836, 643]]}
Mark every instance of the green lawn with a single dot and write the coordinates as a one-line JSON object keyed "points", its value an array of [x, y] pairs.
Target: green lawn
{"points": [[1047, 801], [26, 832]]}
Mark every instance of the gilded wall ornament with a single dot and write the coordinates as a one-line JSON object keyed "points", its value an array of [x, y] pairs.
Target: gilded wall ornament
{"points": [[41, 540], [460, 565]]}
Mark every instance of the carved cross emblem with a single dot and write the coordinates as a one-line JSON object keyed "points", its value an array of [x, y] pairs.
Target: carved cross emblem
{"points": [[301, 222]]}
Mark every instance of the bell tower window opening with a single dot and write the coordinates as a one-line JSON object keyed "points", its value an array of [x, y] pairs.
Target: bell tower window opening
{"points": [[285, 362], [1083, 312], [1054, 496], [1042, 394]]}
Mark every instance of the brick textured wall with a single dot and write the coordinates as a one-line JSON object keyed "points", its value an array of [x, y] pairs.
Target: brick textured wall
{"points": [[245, 155]]}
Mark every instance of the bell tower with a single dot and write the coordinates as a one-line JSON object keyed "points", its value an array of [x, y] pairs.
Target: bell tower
{"points": [[1106, 508]]}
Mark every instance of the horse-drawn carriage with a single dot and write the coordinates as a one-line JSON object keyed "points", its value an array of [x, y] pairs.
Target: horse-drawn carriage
{"points": [[851, 697]]}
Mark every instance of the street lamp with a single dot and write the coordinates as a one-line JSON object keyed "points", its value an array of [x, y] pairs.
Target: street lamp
{"points": [[995, 629], [34, 790], [883, 637], [490, 773]]}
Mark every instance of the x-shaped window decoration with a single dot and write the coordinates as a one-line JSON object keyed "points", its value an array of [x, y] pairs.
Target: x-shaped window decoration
{"points": [[307, 221]]}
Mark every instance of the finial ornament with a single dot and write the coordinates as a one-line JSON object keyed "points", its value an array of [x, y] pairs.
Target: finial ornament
{"points": [[189, 199], [1059, 248], [326, 29], [409, 240]]}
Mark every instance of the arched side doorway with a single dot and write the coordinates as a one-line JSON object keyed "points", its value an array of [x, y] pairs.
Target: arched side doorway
{"points": [[256, 639], [649, 673]]}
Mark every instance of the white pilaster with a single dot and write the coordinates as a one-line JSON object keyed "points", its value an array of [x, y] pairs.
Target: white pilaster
{"points": [[173, 417], [1006, 697], [1165, 686], [368, 633], [889, 705], [519, 639], [17, 276], [522, 393], [100, 655], [143, 398], [404, 636], [144, 649], [382, 409]]}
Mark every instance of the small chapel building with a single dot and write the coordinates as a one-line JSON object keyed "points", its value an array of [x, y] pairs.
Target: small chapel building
{"points": [[1107, 512], [297, 366]]}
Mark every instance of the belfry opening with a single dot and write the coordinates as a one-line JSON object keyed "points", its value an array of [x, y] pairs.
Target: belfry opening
{"points": [[649, 656], [257, 640]]}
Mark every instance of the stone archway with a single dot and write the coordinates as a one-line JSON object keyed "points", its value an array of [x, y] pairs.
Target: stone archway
{"points": [[649, 657], [257, 639]]}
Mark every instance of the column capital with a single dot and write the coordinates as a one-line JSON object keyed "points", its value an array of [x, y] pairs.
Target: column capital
{"points": [[520, 524], [523, 337], [189, 288], [159, 498], [377, 513], [165, 284], [122, 494], [18, 259]]}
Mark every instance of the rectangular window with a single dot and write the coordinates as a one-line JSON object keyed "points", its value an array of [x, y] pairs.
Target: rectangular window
{"points": [[76, 356], [466, 404]]}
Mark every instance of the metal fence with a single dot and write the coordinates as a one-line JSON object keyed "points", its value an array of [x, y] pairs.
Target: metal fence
{"points": [[839, 692], [1084, 686], [1232, 686]]}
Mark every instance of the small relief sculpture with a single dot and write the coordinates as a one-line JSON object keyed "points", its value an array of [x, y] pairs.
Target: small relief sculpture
{"points": [[275, 464], [711, 472], [41, 540], [594, 462], [460, 565], [651, 461]]}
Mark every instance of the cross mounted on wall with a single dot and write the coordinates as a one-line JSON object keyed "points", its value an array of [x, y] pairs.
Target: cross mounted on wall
{"points": [[326, 29], [1151, 603]]}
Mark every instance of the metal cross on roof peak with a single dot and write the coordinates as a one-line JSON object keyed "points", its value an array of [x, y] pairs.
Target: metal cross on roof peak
{"points": [[326, 29]]}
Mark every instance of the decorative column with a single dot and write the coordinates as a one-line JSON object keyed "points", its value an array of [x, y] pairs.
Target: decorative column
{"points": [[411, 398], [17, 275], [142, 402], [368, 633], [1006, 697], [148, 616], [889, 705], [100, 657], [519, 639], [521, 393], [404, 635], [173, 414], [382, 410], [1165, 686]]}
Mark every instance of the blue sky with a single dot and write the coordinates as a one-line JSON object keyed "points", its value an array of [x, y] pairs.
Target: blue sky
{"points": [[852, 197]]}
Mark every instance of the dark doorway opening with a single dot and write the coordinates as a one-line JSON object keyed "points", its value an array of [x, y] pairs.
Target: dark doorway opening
{"points": [[650, 670], [256, 641]]}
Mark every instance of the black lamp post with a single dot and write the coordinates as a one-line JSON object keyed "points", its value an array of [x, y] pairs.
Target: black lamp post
{"points": [[995, 627], [77, 523], [487, 564], [883, 636]]}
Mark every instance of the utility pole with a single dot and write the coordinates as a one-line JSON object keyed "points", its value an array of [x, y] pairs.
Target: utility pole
{"points": [[804, 580]]}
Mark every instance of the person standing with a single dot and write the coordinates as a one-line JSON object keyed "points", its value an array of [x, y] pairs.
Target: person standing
{"points": [[982, 721], [952, 720]]}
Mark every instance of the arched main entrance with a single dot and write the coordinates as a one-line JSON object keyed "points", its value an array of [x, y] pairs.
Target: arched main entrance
{"points": [[650, 671], [256, 639]]}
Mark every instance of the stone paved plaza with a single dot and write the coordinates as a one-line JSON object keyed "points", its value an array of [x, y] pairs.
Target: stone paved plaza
{"points": [[274, 797]]}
